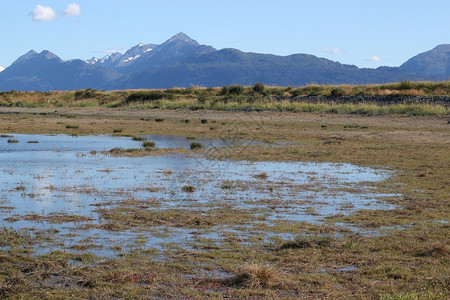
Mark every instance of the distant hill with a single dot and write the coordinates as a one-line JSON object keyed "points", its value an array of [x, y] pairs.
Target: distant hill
{"points": [[45, 71], [231, 66], [434, 62], [181, 62]]}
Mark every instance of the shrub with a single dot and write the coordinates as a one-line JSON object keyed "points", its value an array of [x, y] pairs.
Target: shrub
{"points": [[236, 89], [227, 184], [405, 85], [68, 126], [85, 94], [258, 87], [336, 92], [147, 96], [148, 144], [224, 90], [195, 145]]}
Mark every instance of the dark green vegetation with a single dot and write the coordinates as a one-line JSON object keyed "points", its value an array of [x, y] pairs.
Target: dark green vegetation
{"points": [[195, 145], [401, 253], [411, 98]]}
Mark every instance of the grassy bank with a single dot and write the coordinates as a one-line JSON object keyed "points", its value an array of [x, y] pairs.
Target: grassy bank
{"points": [[410, 98]]}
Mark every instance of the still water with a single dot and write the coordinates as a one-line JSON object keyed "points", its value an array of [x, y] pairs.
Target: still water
{"points": [[61, 175]]}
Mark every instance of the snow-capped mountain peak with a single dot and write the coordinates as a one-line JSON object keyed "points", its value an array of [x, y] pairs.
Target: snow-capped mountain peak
{"points": [[92, 61], [2, 68]]}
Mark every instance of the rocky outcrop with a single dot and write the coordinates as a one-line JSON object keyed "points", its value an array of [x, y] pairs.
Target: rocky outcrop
{"points": [[375, 99]]}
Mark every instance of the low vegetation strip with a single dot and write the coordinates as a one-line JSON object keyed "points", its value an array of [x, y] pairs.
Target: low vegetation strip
{"points": [[412, 98]]}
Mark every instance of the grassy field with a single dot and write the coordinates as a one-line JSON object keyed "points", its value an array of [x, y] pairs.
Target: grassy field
{"points": [[362, 99], [402, 253]]}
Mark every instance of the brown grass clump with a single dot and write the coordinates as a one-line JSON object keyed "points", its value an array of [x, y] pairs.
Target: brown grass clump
{"points": [[262, 175], [257, 276], [440, 249], [308, 242], [188, 189]]}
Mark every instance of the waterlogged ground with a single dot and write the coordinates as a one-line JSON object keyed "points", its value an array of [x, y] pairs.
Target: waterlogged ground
{"points": [[69, 195], [211, 222]]}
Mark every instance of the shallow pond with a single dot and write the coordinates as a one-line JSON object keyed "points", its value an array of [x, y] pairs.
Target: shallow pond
{"points": [[58, 176]]}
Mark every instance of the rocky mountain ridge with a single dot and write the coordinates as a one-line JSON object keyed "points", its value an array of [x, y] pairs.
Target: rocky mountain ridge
{"points": [[182, 61]]}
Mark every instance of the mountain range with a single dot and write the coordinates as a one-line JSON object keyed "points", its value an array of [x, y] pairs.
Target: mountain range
{"points": [[181, 62]]}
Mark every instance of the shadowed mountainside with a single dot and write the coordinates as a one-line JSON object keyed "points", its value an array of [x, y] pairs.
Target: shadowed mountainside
{"points": [[182, 62]]}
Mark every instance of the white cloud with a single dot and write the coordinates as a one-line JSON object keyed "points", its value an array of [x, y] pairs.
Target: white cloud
{"points": [[72, 9], [373, 58], [331, 50], [43, 13]]}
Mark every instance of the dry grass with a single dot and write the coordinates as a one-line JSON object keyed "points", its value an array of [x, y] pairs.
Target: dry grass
{"points": [[52, 218], [188, 189], [257, 276], [407, 258], [262, 175], [312, 98]]}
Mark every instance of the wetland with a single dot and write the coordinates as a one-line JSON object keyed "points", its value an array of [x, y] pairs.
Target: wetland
{"points": [[274, 204]]}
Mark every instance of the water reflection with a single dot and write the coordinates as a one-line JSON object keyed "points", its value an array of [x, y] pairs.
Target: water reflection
{"points": [[52, 177]]}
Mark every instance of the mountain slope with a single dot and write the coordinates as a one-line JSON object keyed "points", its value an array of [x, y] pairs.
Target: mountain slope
{"points": [[181, 62], [45, 71], [433, 62], [174, 50], [231, 66]]}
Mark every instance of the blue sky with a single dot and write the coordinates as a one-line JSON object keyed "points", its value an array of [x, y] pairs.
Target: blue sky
{"points": [[363, 33]]}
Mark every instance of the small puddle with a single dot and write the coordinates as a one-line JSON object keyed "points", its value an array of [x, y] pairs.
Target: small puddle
{"points": [[49, 178]]}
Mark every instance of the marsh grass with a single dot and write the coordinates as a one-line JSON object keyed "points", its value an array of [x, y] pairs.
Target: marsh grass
{"points": [[396, 254], [10, 237], [301, 242], [262, 175], [148, 145], [256, 276], [254, 98], [415, 295], [139, 152], [188, 189], [139, 138], [71, 126], [195, 145], [145, 218], [52, 218]]}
